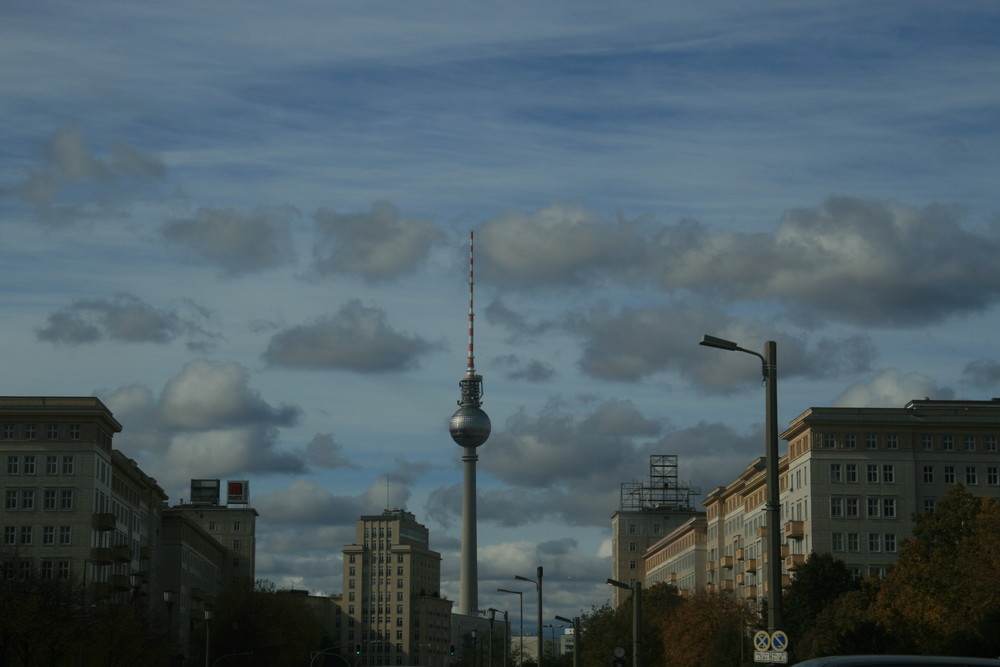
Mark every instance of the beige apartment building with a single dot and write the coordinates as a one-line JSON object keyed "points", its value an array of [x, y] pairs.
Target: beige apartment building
{"points": [[392, 603], [850, 481]]}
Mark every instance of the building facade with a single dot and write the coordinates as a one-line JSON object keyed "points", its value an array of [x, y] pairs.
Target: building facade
{"points": [[850, 481], [233, 524], [392, 605]]}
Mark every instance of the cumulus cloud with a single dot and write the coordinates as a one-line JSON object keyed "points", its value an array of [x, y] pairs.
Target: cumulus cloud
{"points": [[514, 367], [869, 262], [72, 184], [561, 244], [982, 373], [124, 318], [860, 261], [207, 422], [238, 243], [891, 389], [356, 338], [631, 343], [376, 246], [325, 452]]}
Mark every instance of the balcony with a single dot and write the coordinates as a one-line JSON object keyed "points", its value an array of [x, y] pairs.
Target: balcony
{"points": [[100, 590], [750, 565], [710, 566], [672, 578], [739, 578], [749, 592], [761, 531], [739, 554], [197, 594], [121, 554], [795, 530], [100, 556], [104, 521], [119, 582], [145, 553], [793, 561], [726, 562], [726, 585]]}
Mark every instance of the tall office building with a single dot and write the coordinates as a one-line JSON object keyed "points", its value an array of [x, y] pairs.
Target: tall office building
{"points": [[850, 482], [395, 614], [232, 523], [648, 510]]}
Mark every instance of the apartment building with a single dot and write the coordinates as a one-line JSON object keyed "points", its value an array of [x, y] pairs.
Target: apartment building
{"points": [[393, 609], [850, 481], [233, 523], [74, 508]]}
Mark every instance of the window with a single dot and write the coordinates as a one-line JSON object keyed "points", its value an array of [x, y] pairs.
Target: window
{"points": [[836, 506], [890, 542], [829, 440], [68, 465], [74, 431], [631, 546], [236, 526], [837, 541], [970, 475], [889, 508], [892, 441], [631, 529], [46, 569], [399, 583], [65, 536], [352, 558], [62, 569], [852, 542], [991, 476], [26, 535], [888, 474], [852, 506], [236, 545], [949, 474], [51, 465], [947, 442], [852, 472], [928, 441], [991, 443], [48, 535], [10, 535], [28, 499], [871, 440], [850, 441], [928, 505], [29, 465], [874, 542], [970, 443], [53, 431], [353, 572], [13, 465], [928, 474], [872, 469], [873, 507], [8, 431], [631, 565], [48, 500], [10, 499], [29, 431], [836, 474]]}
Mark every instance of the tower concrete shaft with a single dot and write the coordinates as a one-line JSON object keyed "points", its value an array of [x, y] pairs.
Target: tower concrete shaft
{"points": [[468, 595]]}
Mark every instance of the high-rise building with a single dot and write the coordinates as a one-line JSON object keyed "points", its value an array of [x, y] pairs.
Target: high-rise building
{"points": [[850, 482], [394, 612], [649, 509], [233, 523]]}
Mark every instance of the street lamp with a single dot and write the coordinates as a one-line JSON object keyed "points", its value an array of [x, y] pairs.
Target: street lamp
{"points": [[636, 589], [520, 595], [554, 628], [575, 623], [168, 598], [769, 368], [538, 587], [208, 634]]}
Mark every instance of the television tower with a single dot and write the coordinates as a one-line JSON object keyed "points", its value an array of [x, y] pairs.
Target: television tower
{"points": [[469, 427]]}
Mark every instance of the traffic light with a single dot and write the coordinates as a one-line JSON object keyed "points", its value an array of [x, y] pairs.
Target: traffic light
{"points": [[357, 649], [453, 649]]}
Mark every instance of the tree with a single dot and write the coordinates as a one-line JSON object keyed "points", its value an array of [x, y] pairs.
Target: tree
{"points": [[817, 583], [943, 596], [707, 629]]}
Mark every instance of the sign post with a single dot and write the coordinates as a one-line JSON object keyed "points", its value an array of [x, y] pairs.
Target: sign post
{"points": [[770, 647]]}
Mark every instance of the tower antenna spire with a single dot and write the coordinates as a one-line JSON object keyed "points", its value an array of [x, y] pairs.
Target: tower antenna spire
{"points": [[471, 366]]}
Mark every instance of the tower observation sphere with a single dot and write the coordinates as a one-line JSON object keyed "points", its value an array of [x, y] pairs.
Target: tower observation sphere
{"points": [[469, 426]]}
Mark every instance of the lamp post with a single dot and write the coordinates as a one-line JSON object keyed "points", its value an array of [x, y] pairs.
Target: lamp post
{"points": [[520, 595], [575, 623], [168, 598], [769, 368], [554, 628], [538, 587], [208, 635], [636, 589]]}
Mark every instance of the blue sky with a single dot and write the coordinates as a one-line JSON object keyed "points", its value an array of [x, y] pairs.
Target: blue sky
{"points": [[244, 226]]}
